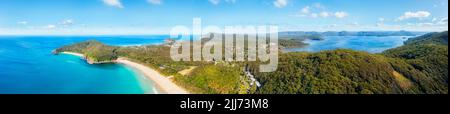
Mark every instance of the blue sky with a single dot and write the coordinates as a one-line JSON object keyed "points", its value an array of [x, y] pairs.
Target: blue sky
{"points": [[99, 17]]}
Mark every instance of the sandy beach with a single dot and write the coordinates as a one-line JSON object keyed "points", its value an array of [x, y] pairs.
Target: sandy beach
{"points": [[71, 53], [162, 82]]}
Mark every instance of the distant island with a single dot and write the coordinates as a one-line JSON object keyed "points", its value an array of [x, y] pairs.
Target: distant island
{"points": [[351, 33], [418, 67]]}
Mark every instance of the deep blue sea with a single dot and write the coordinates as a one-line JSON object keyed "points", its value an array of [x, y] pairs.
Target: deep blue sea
{"points": [[28, 67]]}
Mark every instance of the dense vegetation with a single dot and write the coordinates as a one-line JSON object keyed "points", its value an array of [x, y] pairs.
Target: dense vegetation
{"points": [[430, 38], [94, 51], [213, 79], [330, 72], [297, 41], [424, 60], [419, 67], [292, 43]]}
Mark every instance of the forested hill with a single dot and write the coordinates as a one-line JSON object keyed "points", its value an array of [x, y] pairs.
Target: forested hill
{"points": [[94, 51], [418, 67], [426, 59], [431, 38]]}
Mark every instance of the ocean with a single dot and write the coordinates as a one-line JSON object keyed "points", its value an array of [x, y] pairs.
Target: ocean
{"points": [[371, 44], [28, 67]]}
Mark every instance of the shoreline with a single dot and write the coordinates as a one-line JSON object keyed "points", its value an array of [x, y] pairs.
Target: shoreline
{"points": [[162, 83], [71, 53]]}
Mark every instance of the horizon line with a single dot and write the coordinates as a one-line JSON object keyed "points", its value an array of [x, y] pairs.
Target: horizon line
{"points": [[160, 34]]}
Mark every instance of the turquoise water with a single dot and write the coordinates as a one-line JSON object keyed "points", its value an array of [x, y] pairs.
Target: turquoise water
{"points": [[28, 67], [372, 44]]}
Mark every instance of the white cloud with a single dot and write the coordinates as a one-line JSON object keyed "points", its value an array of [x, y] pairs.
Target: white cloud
{"points": [[341, 14], [23, 22], [425, 24], [114, 3], [354, 24], [155, 2], [324, 14], [317, 10], [380, 22], [215, 2], [230, 1], [305, 10], [319, 6], [434, 20], [66, 23], [333, 25], [418, 14], [50, 26], [91, 30], [280, 3], [435, 24], [314, 15], [443, 21]]}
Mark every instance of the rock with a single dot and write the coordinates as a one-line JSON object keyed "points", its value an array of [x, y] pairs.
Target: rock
{"points": [[54, 52]]}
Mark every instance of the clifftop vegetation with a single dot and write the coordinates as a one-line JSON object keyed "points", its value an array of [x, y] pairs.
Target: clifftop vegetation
{"points": [[419, 67], [94, 51]]}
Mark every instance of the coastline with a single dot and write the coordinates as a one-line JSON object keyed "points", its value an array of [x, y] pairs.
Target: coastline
{"points": [[71, 53], [161, 82]]}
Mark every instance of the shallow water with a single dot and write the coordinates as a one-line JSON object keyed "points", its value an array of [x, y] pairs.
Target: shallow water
{"points": [[27, 66]]}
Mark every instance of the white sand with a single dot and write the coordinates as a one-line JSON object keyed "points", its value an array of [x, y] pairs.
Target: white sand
{"points": [[71, 53], [161, 81], [165, 84]]}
